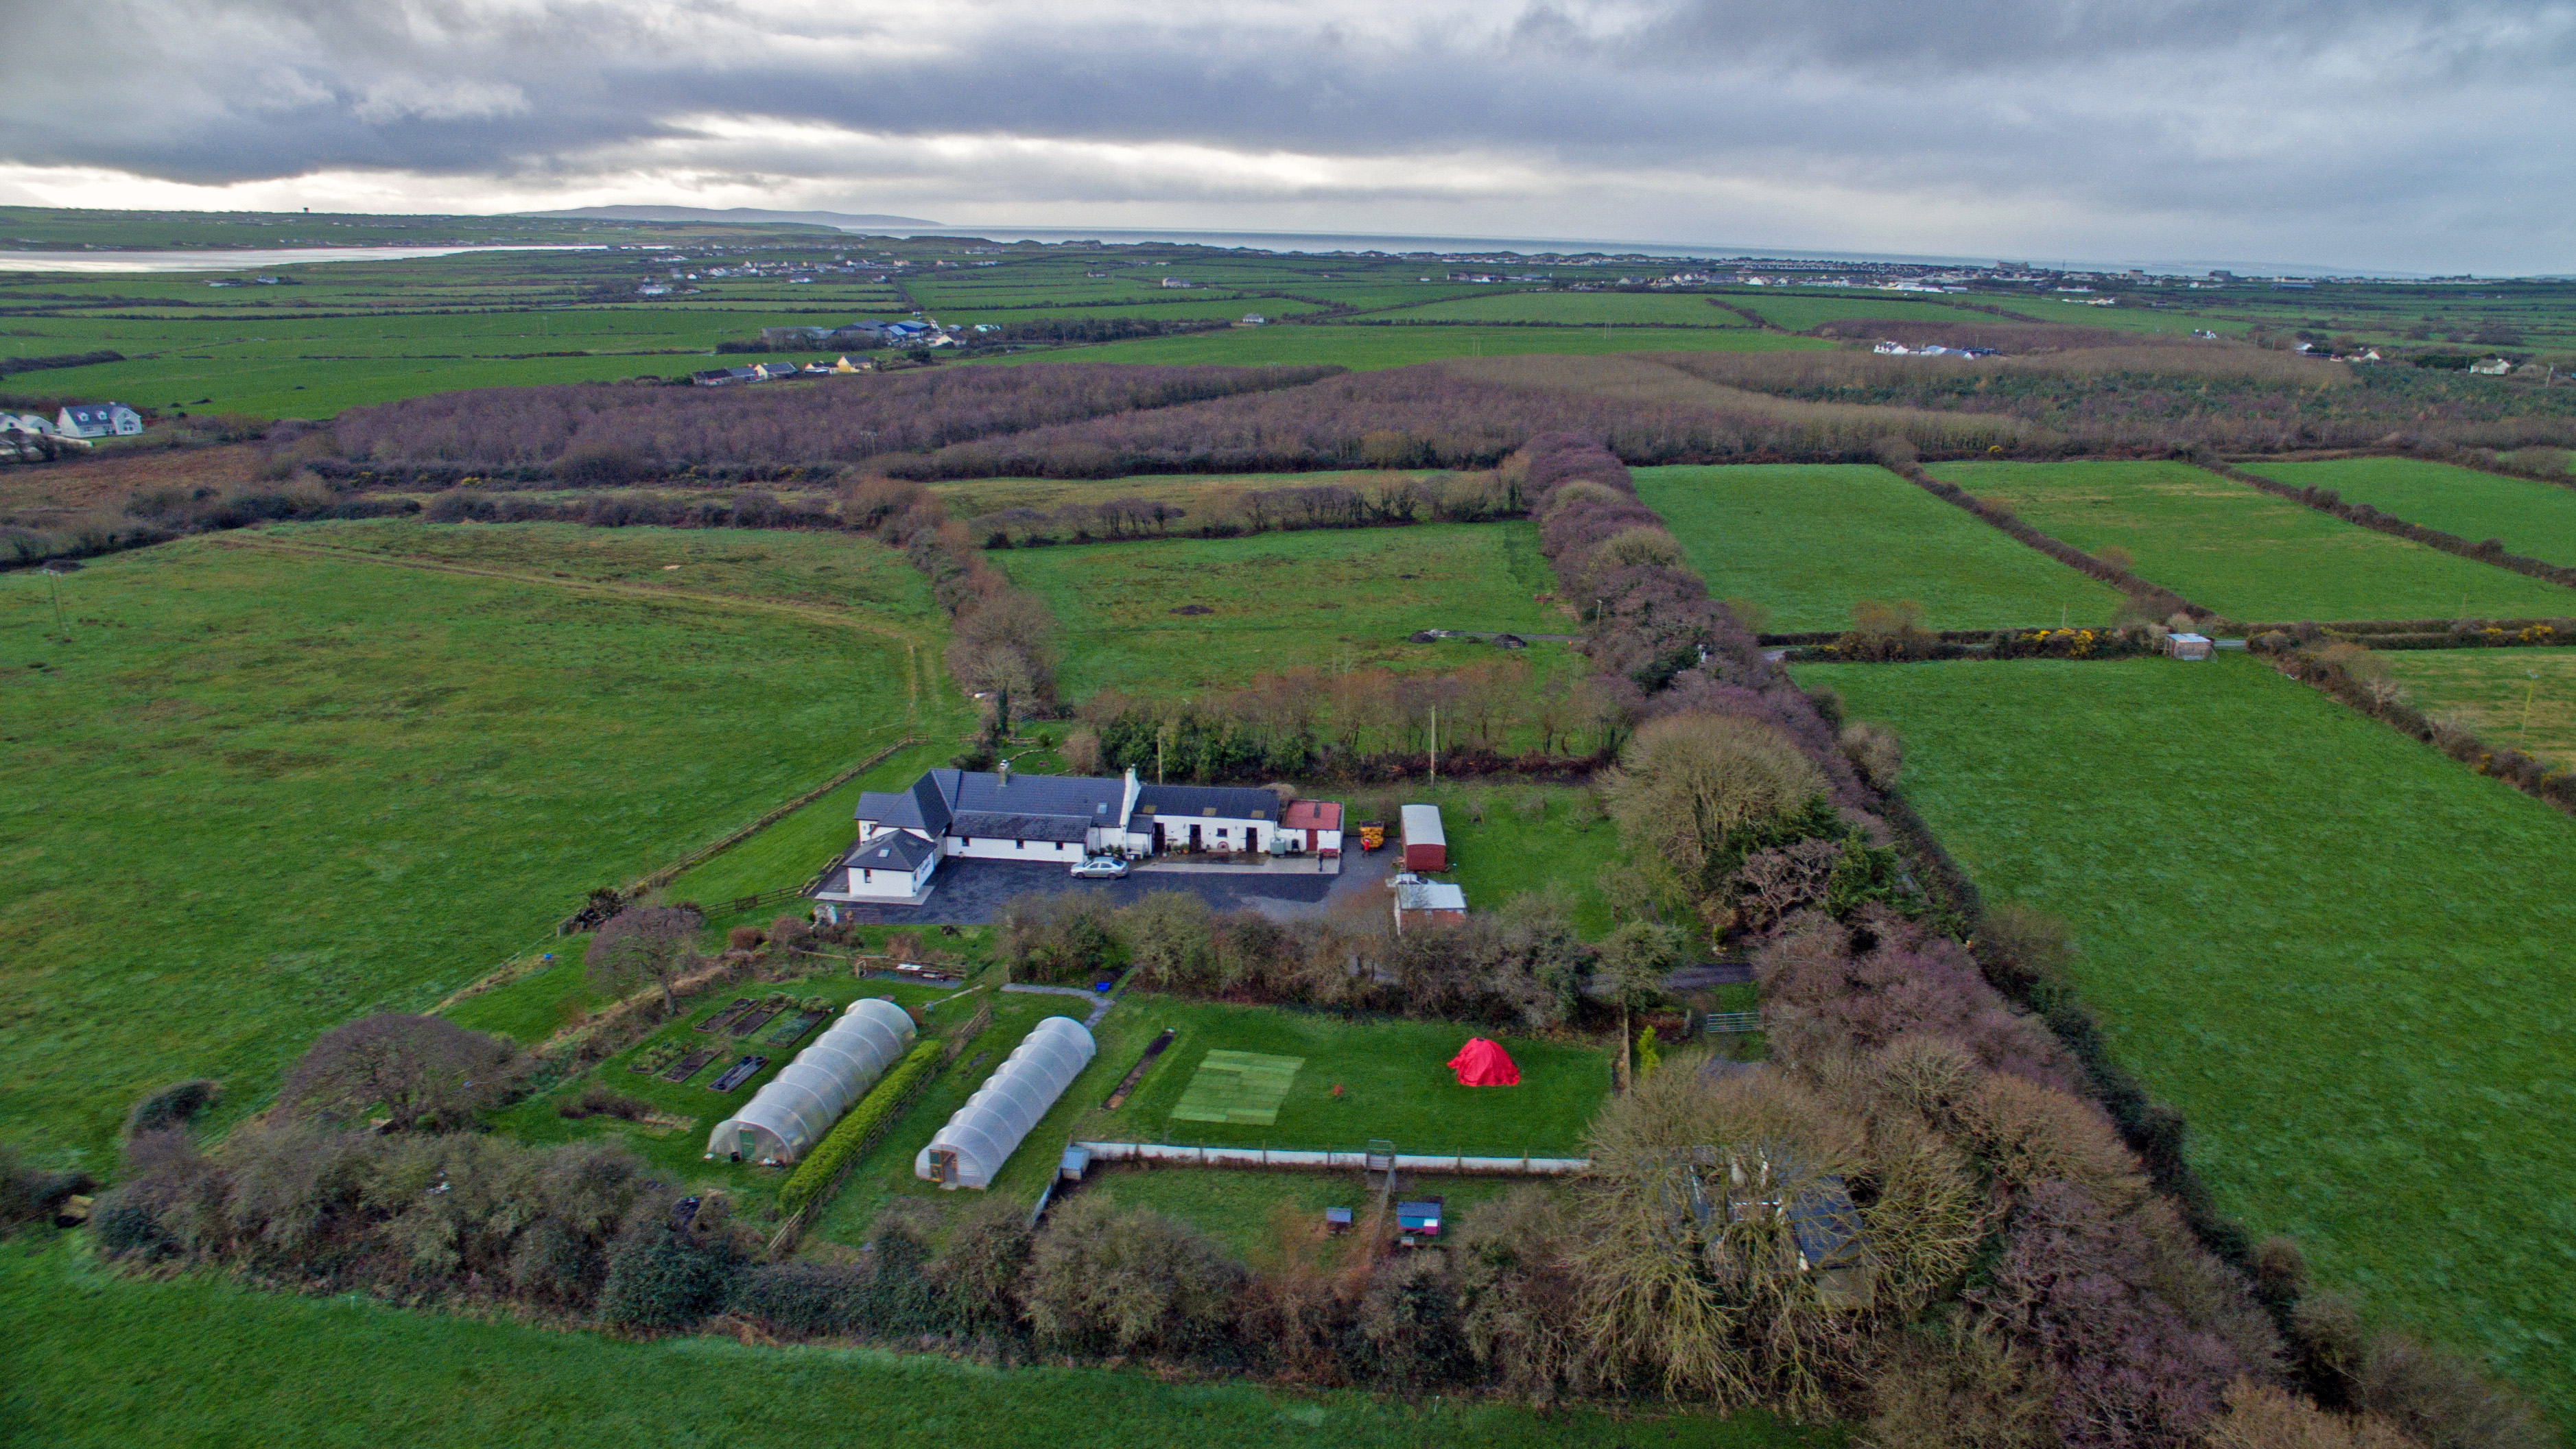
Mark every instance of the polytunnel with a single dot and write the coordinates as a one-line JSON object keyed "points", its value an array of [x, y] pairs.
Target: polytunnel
{"points": [[784, 1120], [980, 1138]]}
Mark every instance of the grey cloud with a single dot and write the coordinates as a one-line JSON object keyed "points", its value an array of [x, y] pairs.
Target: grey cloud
{"points": [[2294, 119]]}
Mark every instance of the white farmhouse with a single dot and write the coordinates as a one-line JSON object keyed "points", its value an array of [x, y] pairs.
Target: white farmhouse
{"points": [[99, 420], [903, 835]]}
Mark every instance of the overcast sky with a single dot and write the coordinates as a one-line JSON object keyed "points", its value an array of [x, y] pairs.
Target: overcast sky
{"points": [[2400, 134]]}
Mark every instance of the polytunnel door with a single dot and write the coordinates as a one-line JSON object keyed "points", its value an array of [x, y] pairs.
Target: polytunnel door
{"points": [[746, 1146], [943, 1166]]}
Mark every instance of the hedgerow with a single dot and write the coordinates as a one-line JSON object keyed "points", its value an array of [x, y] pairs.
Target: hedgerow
{"points": [[850, 1139]]}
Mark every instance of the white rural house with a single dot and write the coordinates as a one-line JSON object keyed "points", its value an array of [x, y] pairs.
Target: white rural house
{"points": [[99, 420], [1060, 819]]}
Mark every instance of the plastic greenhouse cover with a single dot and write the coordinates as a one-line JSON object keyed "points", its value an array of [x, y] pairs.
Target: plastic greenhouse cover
{"points": [[787, 1117], [990, 1126]]}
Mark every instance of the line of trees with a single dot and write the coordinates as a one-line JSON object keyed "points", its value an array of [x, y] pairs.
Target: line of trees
{"points": [[598, 434], [1361, 724], [1389, 502]]}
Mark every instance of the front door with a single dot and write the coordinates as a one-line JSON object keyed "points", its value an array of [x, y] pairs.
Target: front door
{"points": [[1194, 839]]}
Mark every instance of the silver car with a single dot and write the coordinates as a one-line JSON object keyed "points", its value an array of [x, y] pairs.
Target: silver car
{"points": [[1101, 867]]}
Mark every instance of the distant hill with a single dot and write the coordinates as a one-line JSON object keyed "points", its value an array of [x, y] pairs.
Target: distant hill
{"points": [[739, 215]]}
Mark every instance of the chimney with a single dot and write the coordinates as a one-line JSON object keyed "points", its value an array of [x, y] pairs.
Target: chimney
{"points": [[1002, 774]]}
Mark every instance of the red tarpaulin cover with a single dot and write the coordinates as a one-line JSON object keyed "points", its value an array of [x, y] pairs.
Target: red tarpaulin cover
{"points": [[1481, 1063]]}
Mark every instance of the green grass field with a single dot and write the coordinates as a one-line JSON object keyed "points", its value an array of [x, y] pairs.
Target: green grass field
{"points": [[99, 1359], [1807, 542], [1329, 598], [2339, 953], [2537, 520], [1393, 1075], [1801, 311], [2246, 554], [2521, 699], [1576, 309], [779, 564], [256, 792]]}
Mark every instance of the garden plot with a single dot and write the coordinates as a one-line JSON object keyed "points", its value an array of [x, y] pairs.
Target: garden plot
{"points": [[2534, 519], [2251, 556], [1807, 542], [2342, 955]]}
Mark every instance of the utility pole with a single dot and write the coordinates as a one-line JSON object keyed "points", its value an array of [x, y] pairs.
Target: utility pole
{"points": [[1435, 744]]}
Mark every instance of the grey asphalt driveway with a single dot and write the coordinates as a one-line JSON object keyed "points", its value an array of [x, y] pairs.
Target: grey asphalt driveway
{"points": [[971, 892]]}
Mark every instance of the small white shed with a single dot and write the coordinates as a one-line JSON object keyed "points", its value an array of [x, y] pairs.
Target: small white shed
{"points": [[2188, 646]]}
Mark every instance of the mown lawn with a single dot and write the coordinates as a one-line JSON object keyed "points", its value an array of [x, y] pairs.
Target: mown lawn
{"points": [[259, 793], [1807, 542], [2342, 955], [98, 1359], [2537, 520], [2248, 555], [1394, 1079], [2521, 699], [1326, 599]]}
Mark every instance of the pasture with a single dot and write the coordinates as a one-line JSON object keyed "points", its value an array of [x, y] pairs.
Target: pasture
{"points": [[1807, 542], [2246, 554], [1801, 311], [2535, 519], [1356, 1080], [231, 1365], [2340, 954], [1575, 309], [2521, 699], [1324, 599], [266, 790]]}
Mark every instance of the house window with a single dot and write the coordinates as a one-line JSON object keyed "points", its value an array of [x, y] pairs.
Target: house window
{"points": [[1019, 845], [867, 875]]}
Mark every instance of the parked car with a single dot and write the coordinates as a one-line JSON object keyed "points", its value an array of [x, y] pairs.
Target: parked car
{"points": [[1101, 867]]}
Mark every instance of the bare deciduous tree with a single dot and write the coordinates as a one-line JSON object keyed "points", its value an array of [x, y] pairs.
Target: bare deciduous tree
{"points": [[641, 945], [421, 1071]]}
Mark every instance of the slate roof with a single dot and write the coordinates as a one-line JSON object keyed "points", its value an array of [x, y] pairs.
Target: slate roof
{"points": [[990, 825], [1228, 802], [893, 850], [977, 804]]}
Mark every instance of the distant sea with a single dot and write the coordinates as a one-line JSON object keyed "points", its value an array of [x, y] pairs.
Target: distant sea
{"points": [[1328, 242], [242, 260]]}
